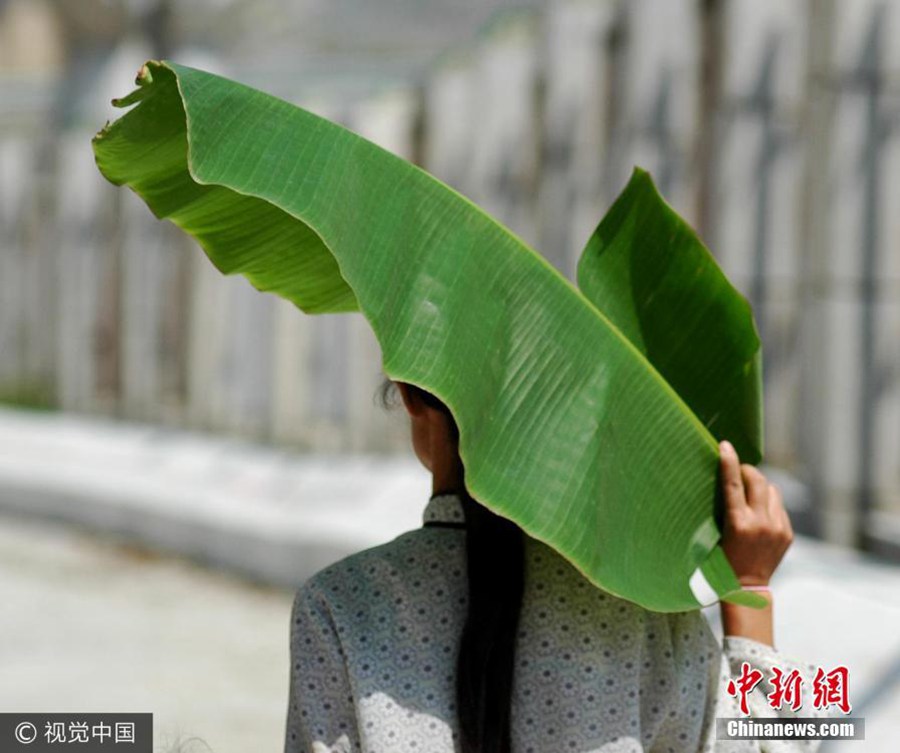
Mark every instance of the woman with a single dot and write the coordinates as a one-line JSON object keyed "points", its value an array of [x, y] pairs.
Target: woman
{"points": [[468, 635]]}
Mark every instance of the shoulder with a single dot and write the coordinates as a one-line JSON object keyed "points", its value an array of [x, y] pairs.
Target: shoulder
{"points": [[386, 601], [396, 567]]}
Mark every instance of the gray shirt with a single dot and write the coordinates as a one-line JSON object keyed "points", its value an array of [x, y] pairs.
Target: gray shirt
{"points": [[374, 640]]}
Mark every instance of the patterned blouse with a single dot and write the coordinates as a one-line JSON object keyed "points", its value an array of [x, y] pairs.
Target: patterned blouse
{"points": [[374, 641]]}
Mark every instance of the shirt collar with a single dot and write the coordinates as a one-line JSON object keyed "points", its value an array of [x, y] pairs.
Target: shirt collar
{"points": [[444, 508]]}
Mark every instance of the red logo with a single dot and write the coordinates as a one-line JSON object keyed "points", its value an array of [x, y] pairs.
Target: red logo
{"points": [[832, 689], [829, 688], [748, 680], [788, 688]]}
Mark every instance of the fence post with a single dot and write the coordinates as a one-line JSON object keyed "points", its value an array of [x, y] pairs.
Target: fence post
{"points": [[449, 118], [851, 241], [756, 180], [17, 161], [86, 281], [573, 122], [229, 352], [658, 112], [503, 171], [150, 282]]}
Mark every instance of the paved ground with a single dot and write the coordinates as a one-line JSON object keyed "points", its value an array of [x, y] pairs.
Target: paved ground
{"points": [[265, 512], [91, 624]]}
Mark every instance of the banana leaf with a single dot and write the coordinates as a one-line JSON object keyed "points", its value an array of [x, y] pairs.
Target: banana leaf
{"points": [[566, 426], [648, 272]]}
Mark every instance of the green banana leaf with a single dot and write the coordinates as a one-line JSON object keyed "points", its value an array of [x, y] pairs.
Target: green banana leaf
{"points": [[648, 272], [566, 427]]}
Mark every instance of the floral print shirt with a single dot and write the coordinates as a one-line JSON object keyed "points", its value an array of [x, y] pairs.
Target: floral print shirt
{"points": [[373, 646]]}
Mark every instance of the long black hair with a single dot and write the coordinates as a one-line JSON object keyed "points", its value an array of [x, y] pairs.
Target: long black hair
{"points": [[486, 658]]}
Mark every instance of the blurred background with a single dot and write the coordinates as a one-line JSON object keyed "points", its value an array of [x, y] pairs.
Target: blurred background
{"points": [[179, 451]]}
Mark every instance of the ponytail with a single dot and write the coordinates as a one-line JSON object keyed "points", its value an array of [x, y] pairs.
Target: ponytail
{"points": [[485, 663], [486, 659]]}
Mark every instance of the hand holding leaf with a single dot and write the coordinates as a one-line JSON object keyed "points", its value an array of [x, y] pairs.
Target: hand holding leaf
{"points": [[757, 527]]}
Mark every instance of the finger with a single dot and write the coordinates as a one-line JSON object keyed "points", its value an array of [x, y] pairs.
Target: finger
{"points": [[776, 503], [756, 487], [732, 484]]}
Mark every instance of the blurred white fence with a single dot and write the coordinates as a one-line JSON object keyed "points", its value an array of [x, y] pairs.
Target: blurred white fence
{"points": [[774, 127]]}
